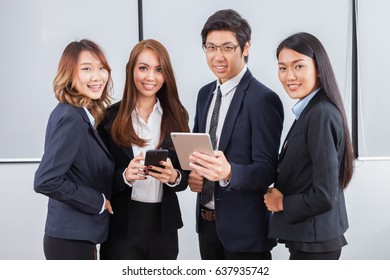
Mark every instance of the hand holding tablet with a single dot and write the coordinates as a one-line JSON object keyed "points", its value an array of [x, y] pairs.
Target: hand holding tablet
{"points": [[186, 143]]}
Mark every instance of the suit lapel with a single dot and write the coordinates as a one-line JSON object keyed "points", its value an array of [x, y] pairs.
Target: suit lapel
{"points": [[127, 150], [316, 98], [203, 118], [94, 132], [296, 126], [290, 135], [234, 110]]}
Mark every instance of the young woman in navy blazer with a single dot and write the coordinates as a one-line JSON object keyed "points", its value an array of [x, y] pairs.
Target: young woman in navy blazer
{"points": [[316, 160], [147, 213], [76, 168]]}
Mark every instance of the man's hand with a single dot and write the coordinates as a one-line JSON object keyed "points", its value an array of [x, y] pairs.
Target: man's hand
{"points": [[214, 168], [195, 182]]}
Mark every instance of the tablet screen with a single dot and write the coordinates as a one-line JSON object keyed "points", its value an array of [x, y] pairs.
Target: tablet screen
{"points": [[186, 143]]}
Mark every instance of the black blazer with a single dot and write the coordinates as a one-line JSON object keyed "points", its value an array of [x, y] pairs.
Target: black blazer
{"points": [[75, 170], [309, 176], [121, 193], [250, 140]]}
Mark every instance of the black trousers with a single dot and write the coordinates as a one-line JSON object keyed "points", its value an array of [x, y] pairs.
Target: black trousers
{"points": [[66, 249], [145, 239], [211, 247], [299, 255]]}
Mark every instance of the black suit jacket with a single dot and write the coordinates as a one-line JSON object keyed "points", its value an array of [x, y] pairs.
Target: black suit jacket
{"points": [[75, 170], [250, 140], [121, 193], [309, 176]]}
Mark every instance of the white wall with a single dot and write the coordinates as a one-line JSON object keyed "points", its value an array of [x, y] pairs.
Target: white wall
{"points": [[23, 212], [374, 98]]}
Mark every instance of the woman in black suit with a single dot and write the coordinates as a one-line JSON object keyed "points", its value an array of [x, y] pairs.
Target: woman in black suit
{"points": [[316, 160], [76, 168], [147, 213]]}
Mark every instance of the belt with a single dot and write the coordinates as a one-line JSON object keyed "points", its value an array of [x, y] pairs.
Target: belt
{"points": [[208, 214]]}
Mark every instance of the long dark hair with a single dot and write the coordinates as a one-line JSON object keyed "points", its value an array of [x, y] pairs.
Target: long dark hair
{"points": [[175, 116], [309, 45]]}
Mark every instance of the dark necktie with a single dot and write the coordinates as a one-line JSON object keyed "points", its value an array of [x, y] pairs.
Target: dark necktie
{"points": [[208, 186]]}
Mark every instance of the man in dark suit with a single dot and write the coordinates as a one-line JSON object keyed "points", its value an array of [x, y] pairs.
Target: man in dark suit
{"points": [[245, 120]]}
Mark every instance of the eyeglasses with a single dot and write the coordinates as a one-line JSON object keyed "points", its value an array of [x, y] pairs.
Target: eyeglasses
{"points": [[228, 48]]}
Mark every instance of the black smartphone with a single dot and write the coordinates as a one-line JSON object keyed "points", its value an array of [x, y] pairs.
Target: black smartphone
{"points": [[153, 157]]}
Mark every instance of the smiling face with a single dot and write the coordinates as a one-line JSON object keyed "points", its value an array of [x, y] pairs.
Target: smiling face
{"points": [[225, 65], [297, 73], [90, 76], [147, 73]]}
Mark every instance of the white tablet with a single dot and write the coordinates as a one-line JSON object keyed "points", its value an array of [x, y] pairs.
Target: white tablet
{"points": [[186, 143]]}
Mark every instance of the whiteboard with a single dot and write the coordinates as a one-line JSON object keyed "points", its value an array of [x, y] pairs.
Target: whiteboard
{"points": [[271, 22], [373, 87], [33, 35]]}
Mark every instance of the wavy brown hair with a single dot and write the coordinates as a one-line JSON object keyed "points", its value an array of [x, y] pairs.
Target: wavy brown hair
{"points": [[63, 82], [175, 116]]}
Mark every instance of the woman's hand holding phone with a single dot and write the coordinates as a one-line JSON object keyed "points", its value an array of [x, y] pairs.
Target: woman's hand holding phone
{"points": [[159, 166], [135, 170]]}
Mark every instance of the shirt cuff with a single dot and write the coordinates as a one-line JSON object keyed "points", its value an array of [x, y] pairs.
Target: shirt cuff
{"points": [[130, 184], [177, 182], [104, 204], [224, 183]]}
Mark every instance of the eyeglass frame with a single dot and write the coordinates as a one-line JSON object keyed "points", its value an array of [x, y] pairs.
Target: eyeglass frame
{"points": [[220, 47]]}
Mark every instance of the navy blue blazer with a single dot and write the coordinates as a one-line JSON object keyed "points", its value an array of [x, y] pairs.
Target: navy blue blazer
{"points": [[250, 140], [171, 219], [309, 176], [75, 170]]}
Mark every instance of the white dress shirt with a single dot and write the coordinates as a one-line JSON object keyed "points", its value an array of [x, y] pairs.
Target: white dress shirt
{"points": [[149, 190], [228, 90]]}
